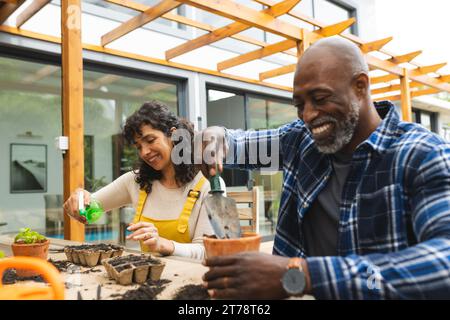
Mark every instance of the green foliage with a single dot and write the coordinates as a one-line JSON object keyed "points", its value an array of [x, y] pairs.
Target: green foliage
{"points": [[27, 236], [2, 254]]}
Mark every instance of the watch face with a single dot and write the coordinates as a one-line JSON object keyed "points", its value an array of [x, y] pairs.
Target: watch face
{"points": [[293, 281]]}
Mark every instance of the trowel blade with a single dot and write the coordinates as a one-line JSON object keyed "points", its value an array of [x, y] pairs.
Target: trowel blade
{"points": [[223, 215]]}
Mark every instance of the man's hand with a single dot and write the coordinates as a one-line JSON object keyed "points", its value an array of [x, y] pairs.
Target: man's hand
{"points": [[248, 275], [214, 150]]}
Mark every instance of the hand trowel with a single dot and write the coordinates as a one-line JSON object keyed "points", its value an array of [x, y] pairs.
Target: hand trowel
{"points": [[222, 212]]}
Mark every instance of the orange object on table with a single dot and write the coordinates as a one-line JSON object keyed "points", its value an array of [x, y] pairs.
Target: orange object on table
{"points": [[32, 292]]}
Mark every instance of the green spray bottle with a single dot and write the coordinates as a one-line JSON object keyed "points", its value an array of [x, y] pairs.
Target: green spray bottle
{"points": [[93, 211]]}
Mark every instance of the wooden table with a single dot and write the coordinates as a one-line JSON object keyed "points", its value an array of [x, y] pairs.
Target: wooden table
{"points": [[180, 271]]}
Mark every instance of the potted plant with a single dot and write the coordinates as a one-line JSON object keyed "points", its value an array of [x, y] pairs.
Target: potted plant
{"points": [[30, 244]]}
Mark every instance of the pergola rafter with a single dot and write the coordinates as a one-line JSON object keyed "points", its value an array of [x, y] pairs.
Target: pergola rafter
{"points": [[282, 45], [7, 8], [229, 30], [30, 11]]}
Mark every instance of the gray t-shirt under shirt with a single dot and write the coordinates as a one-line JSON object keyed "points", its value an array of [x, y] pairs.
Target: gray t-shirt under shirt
{"points": [[321, 222]]}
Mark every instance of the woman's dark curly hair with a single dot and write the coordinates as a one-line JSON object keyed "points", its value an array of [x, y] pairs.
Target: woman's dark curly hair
{"points": [[159, 117]]}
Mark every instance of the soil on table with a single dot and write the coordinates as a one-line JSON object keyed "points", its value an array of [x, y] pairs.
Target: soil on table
{"points": [[62, 265], [146, 291], [192, 292], [10, 277]]}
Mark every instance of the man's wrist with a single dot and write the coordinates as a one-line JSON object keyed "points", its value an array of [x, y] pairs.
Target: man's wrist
{"points": [[308, 286]]}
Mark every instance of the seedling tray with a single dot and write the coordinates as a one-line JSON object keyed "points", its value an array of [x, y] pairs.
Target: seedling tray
{"points": [[91, 254], [134, 269]]}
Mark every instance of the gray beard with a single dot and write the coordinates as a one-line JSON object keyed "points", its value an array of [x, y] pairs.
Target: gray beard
{"points": [[344, 131]]}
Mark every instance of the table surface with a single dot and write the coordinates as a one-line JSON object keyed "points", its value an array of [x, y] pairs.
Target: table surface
{"points": [[180, 271]]}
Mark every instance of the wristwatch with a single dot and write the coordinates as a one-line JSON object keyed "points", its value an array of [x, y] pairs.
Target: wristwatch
{"points": [[293, 279]]}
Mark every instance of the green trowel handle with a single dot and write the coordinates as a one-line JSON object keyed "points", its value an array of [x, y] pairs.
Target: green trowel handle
{"points": [[215, 184]]}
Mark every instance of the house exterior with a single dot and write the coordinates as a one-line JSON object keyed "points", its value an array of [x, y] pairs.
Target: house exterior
{"points": [[115, 86]]}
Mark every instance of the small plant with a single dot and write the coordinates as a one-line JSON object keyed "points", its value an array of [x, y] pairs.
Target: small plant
{"points": [[26, 236], [2, 254]]}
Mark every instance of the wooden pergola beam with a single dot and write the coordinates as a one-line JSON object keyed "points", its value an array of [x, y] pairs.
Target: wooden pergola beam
{"points": [[428, 69], [256, 54], [277, 72], [396, 87], [192, 23], [228, 30], [374, 61], [416, 93], [327, 31], [408, 57], [414, 73], [253, 18], [145, 17], [30, 11], [375, 45], [336, 28], [8, 8], [72, 108], [405, 93]]}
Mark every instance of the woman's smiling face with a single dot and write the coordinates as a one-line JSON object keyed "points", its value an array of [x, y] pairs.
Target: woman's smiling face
{"points": [[154, 147]]}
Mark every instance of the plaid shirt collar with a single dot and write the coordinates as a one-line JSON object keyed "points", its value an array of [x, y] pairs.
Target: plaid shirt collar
{"points": [[381, 139]]}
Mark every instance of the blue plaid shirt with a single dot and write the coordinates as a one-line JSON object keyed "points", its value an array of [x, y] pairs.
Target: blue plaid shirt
{"points": [[394, 228]]}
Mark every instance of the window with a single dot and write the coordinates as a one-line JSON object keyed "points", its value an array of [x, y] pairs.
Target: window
{"points": [[241, 110], [30, 104], [425, 118]]}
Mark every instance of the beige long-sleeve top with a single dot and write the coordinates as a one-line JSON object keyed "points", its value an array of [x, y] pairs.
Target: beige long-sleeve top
{"points": [[163, 204]]}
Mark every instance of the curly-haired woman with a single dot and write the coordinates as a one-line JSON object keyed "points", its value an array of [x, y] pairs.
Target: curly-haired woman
{"points": [[170, 216]]}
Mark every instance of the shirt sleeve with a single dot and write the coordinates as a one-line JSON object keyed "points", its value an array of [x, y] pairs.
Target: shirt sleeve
{"points": [[189, 250], [418, 272], [256, 149], [117, 193]]}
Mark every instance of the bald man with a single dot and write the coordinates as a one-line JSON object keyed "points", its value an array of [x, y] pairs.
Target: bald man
{"points": [[365, 205]]}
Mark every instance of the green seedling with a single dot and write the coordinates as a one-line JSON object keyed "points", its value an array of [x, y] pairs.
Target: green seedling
{"points": [[27, 236]]}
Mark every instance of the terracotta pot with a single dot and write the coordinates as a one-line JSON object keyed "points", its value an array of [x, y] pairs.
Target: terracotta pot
{"points": [[249, 241], [38, 250]]}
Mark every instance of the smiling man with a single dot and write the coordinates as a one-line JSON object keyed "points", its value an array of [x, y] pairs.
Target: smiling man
{"points": [[365, 205]]}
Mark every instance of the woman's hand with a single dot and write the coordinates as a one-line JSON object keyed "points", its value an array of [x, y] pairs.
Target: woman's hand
{"points": [[148, 234], [145, 232], [71, 206]]}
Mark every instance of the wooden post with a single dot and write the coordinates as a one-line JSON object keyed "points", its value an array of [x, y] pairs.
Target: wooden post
{"points": [[72, 98], [406, 96], [303, 44]]}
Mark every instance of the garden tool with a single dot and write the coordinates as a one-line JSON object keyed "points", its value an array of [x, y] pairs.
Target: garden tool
{"points": [[32, 292], [222, 211]]}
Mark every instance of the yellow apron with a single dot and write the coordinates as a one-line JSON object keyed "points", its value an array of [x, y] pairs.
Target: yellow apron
{"points": [[176, 230]]}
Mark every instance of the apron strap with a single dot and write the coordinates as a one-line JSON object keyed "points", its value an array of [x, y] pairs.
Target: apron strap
{"points": [[140, 205], [192, 197]]}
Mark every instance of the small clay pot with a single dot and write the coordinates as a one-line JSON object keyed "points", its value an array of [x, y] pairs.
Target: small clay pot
{"points": [[38, 250], [249, 241]]}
